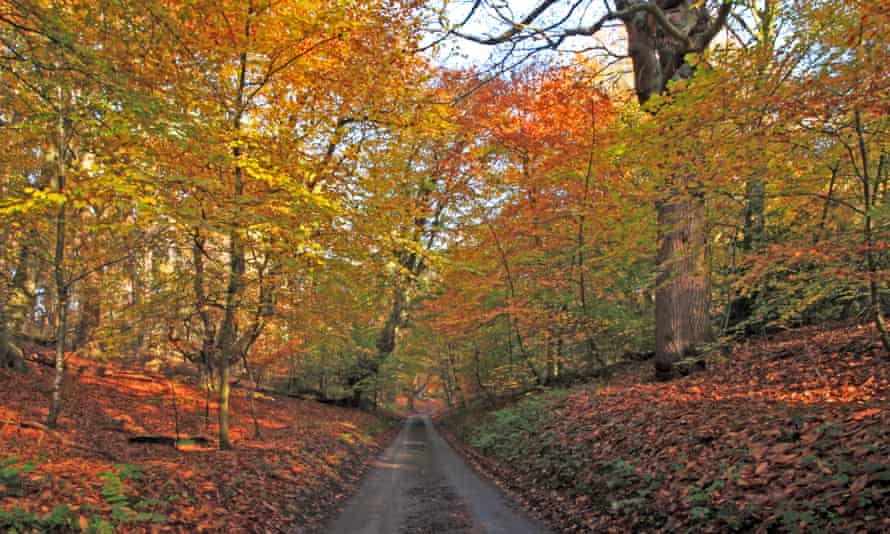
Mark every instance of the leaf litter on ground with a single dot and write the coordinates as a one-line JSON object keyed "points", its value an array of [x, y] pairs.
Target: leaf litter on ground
{"points": [[789, 433]]}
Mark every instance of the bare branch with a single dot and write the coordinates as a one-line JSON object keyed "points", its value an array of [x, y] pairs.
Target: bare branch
{"points": [[623, 14]]}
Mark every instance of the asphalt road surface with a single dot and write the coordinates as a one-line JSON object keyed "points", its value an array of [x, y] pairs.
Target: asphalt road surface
{"points": [[419, 485]]}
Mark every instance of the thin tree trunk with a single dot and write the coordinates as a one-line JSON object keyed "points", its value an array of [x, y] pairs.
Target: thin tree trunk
{"points": [[729, 293], [59, 275], [827, 206], [252, 393], [61, 321], [208, 335], [223, 408], [457, 389], [755, 197], [511, 287], [477, 367], [582, 282], [136, 289], [228, 336], [874, 290], [175, 413]]}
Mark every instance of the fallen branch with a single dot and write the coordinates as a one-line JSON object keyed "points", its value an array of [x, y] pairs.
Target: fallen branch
{"points": [[169, 440], [102, 371], [40, 360], [50, 362], [129, 375]]}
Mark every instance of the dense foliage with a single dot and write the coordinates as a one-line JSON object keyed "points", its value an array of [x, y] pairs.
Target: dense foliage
{"points": [[305, 198]]}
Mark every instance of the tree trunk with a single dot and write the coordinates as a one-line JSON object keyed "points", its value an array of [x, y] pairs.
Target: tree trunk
{"points": [[227, 344], [137, 287], [90, 311], [20, 296], [682, 298], [223, 408], [755, 203], [10, 355], [868, 197], [477, 367], [386, 345], [61, 321], [458, 392], [682, 301], [59, 276], [251, 392], [741, 308]]}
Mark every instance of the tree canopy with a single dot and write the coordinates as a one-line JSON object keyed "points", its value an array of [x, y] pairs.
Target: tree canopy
{"points": [[316, 198]]}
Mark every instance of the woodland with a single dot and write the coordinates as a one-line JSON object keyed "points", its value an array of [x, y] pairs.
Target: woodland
{"points": [[636, 251]]}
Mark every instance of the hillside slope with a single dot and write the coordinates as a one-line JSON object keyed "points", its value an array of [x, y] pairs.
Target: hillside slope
{"points": [[790, 433], [309, 455]]}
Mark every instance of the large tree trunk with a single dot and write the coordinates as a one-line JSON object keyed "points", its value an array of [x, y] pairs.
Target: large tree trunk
{"points": [[682, 298]]}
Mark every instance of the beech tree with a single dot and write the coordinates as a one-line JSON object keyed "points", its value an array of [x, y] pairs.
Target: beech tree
{"points": [[660, 36]]}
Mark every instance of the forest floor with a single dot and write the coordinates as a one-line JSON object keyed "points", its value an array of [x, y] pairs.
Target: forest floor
{"points": [[789, 433], [87, 476]]}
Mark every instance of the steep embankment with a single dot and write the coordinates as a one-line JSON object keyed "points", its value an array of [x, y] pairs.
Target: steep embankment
{"points": [[88, 476], [790, 433]]}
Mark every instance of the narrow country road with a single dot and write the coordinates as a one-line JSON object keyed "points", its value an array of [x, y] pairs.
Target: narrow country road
{"points": [[419, 485]]}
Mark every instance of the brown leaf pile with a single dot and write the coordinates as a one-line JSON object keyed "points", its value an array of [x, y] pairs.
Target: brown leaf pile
{"points": [[788, 434], [310, 455]]}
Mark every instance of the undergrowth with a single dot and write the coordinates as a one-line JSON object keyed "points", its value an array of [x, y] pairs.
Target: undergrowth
{"points": [[125, 509]]}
